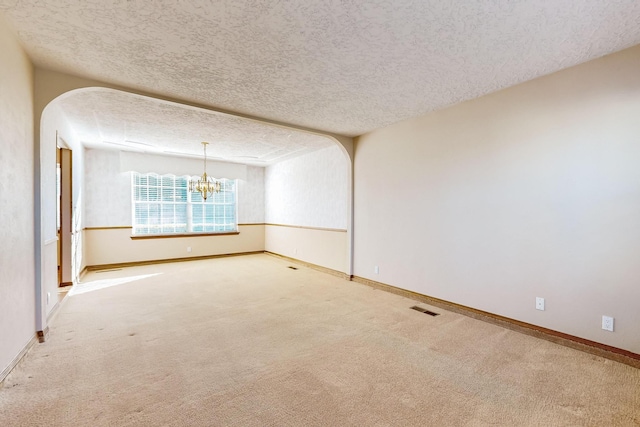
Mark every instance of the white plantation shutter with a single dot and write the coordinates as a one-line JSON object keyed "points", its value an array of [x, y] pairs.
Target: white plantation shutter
{"points": [[163, 205]]}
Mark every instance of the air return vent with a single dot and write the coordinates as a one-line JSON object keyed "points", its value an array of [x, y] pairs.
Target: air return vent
{"points": [[424, 310], [292, 267]]}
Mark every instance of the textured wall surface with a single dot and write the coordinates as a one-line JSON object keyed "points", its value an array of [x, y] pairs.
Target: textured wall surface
{"points": [[49, 124], [310, 190], [108, 195], [17, 298], [251, 197], [530, 192]]}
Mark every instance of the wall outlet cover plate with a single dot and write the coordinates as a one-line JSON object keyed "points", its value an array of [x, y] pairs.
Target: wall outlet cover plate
{"points": [[607, 323]]}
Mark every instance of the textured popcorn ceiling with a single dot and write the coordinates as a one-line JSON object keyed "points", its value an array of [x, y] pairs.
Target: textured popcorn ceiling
{"points": [[342, 66], [111, 119]]}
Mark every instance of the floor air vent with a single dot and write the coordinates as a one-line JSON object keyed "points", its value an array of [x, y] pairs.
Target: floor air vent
{"points": [[293, 268], [424, 310]]}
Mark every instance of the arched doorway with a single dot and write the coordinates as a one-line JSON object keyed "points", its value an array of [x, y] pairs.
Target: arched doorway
{"points": [[57, 88]]}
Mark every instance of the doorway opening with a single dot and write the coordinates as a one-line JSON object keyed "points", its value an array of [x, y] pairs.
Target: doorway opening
{"points": [[64, 214]]}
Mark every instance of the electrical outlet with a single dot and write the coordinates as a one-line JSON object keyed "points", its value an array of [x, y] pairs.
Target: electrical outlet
{"points": [[188, 248], [607, 323], [295, 251], [539, 303], [376, 270]]}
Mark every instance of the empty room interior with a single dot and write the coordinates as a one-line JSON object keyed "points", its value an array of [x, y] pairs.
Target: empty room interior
{"points": [[249, 213]]}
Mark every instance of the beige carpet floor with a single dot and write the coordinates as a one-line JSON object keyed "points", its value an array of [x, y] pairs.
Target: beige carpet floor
{"points": [[246, 341]]}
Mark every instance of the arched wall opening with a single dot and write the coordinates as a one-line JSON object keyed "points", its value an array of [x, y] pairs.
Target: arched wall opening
{"points": [[332, 166], [56, 132]]}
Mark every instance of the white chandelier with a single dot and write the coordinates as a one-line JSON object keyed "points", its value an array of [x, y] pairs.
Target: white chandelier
{"points": [[204, 185]]}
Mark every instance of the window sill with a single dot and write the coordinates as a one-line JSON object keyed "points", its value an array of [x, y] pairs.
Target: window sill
{"points": [[165, 236]]}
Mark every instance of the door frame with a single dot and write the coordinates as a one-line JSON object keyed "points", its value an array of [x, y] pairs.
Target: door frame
{"points": [[66, 214]]}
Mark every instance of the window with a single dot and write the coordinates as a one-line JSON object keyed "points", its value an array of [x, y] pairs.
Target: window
{"points": [[162, 205]]}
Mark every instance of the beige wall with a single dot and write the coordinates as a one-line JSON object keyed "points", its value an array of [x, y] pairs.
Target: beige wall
{"points": [[51, 84], [531, 191], [17, 298], [326, 248], [114, 246], [108, 210], [312, 191], [311, 188], [111, 206], [54, 131]]}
